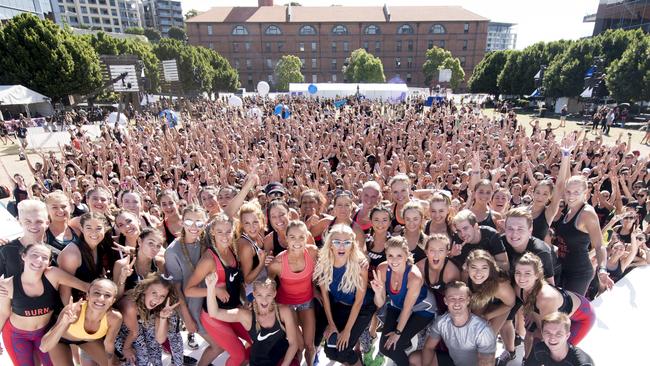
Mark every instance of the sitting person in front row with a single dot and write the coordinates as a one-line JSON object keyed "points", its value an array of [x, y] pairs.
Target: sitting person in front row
{"points": [[555, 350]]}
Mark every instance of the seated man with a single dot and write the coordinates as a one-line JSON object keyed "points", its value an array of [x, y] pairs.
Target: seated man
{"points": [[555, 349], [468, 337]]}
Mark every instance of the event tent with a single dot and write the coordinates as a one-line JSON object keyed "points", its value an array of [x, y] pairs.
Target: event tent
{"points": [[31, 101], [334, 90]]}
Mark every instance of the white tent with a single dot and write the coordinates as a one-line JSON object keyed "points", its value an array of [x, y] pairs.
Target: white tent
{"points": [[18, 95], [336, 90]]}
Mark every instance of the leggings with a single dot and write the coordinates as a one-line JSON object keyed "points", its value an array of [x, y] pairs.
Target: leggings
{"points": [[341, 313], [417, 322], [147, 350], [581, 321], [576, 282], [226, 335], [21, 345]]}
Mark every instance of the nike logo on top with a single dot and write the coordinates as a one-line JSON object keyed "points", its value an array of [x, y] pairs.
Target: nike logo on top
{"points": [[261, 338], [232, 276]]}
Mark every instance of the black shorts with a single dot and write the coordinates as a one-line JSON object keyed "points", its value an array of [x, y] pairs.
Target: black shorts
{"points": [[69, 342]]}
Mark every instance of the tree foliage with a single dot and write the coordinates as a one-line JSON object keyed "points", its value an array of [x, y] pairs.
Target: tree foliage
{"points": [[135, 30], [287, 71], [484, 77], [177, 34], [628, 78], [191, 13], [363, 67], [224, 77], [41, 56], [439, 58], [152, 34]]}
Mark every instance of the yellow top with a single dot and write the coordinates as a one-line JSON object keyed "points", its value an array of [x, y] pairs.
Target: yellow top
{"points": [[78, 330]]}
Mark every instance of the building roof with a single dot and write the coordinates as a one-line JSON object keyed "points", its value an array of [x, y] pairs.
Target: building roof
{"points": [[334, 14]]}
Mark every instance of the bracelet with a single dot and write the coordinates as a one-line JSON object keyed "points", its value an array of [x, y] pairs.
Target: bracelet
{"points": [[566, 153], [602, 269]]}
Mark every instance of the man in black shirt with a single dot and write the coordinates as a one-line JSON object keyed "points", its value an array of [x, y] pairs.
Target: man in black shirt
{"points": [[555, 349], [476, 237], [34, 221]]}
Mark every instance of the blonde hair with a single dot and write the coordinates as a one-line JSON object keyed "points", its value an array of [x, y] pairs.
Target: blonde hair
{"points": [[267, 283], [465, 215], [400, 242], [400, 178], [323, 271], [219, 219], [557, 318], [252, 207], [296, 224], [56, 196], [437, 237], [578, 179], [32, 206], [520, 212]]}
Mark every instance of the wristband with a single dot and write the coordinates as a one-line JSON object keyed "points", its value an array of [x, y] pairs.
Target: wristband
{"points": [[566, 153], [398, 332], [602, 269]]}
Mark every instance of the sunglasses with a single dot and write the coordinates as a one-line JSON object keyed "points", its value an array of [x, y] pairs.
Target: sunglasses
{"points": [[199, 224], [640, 238], [342, 243]]}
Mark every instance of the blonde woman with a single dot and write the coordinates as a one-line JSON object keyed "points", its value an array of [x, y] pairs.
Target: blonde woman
{"points": [[59, 233], [347, 304], [249, 237], [413, 215]]}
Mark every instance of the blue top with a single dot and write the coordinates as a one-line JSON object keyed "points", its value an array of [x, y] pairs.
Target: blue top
{"points": [[425, 303], [337, 295]]}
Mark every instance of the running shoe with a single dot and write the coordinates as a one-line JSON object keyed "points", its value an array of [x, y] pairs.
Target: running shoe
{"points": [[191, 342], [189, 361], [504, 358]]}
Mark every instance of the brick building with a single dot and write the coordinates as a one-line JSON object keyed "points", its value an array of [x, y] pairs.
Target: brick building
{"points": [[254, 38]]}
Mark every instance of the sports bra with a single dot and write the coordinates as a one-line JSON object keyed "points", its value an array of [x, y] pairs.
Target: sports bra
{"points": [[78, 330], [366, 228], [169, 236], [488, 221], [567, 301], [60, 244], [28, 306]]}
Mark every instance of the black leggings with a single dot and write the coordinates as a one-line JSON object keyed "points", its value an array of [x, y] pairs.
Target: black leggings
{"points": [[341, 313], [414, 325], [577, 282]]}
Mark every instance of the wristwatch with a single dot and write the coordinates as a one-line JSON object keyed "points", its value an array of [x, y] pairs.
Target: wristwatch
{"points": [[398, 332]]}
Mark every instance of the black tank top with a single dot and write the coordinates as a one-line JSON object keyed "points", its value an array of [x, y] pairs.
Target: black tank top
{"points": [[277, 247], [573, 245], [603, 214], [617, 273], [256, 258], [395, 222], [233, 279], [624, 238], [134, 278], [269, 344], [28, 306], [567, 301], [488, 221], [169, 237], [418, 252], [540, 225], [87, 271], [57, 244]]}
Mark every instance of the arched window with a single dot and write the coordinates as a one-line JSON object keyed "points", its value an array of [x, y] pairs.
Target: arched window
{"points": [[372, 29], [239, 30], [307, 30], [437, 29], [340, 30], [405, 29], [273, 30]]}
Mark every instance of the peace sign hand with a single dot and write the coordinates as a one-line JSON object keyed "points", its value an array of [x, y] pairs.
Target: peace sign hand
{"points": [[125, 250], [128, 269], [70, 312], [376, 284], [168, 310]]}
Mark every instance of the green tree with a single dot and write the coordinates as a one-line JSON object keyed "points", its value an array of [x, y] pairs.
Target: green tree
{"points": [[485, 74], [438, 58], [177, 34], [224, 77], [363, 67], [135, 30], [287, 71], [42, 56], [191, 13], [628, 78], [564, 76], [152, 34]]}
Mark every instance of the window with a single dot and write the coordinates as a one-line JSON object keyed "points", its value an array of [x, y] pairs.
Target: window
{"points": [[333, 46], [465, 45], [94, 11], [280, 46], [302, 63], [442, 43], [211, 45], [235, 47], [116, 22], [409, 62], [103, 11], [104, 20], [365, 46], [249, 64], [314, 78], [409, 78], [333, 64], [313, 47], [250, 81], [466, 28], [430, 44], [269, 63], [267, 46], [398, 46], [301, 47], [405, 29], [273, 30], [307, 30], [86, 20], [377, 46], [269, 77], [462, 61], [237, 63], [209, 30], [247, 46], [114, 12], [239, 30], [333, 78], [340, 30], [409, 45], [346, 46], [398, 62], [84, 10], [437, 29], [314, 63], [372, 29]]}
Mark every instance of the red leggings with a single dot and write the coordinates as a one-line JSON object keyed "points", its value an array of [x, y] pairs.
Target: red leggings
{"points": [[21, 345], [227, 336], [581, 321]]}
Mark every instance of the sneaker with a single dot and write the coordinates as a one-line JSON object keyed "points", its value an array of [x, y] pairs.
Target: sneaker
{"points": [[518, 340], [504, 358], [189, 361], [191, 342]]}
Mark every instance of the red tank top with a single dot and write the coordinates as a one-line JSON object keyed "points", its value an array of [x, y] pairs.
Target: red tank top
{"points": [[295, 288]]}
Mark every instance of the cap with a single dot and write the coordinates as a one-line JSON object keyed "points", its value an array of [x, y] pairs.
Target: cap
{"points": [[274, 187]]}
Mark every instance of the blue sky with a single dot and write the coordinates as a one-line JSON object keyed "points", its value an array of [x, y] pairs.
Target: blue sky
{"points": [[539, 20]]}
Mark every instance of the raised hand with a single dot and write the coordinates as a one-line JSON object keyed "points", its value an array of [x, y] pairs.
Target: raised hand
{"points": [[211, 280], [127, 270], [168, 310], [125, 250], [70, 312], [4, 285], [376, 283]]}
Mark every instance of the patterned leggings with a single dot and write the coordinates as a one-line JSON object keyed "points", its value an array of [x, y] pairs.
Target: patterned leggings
{"points": [[147, 350], [23, 344]]}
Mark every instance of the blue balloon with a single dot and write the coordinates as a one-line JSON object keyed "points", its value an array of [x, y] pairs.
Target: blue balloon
{"points": [[312, 89], [278, 110]]}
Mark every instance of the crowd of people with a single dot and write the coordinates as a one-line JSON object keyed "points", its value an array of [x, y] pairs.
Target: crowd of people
{"points": [[435, 229]]}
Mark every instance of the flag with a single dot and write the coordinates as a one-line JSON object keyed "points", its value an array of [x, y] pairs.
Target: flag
{"points": [[340, 103]]}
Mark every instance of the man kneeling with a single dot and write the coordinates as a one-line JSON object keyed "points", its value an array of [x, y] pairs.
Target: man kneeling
{"points": [[556, 349]]}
